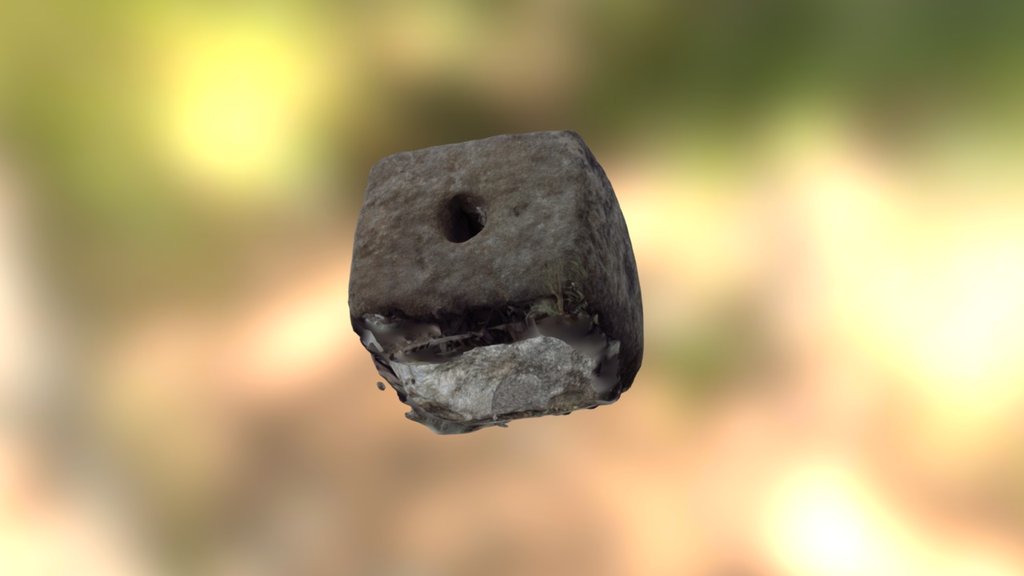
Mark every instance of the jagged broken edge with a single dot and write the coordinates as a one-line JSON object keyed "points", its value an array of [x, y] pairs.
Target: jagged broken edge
{"points": [[494, 325]]}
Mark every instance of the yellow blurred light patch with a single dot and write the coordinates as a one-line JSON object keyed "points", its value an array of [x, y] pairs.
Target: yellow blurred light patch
{"points": [[826, 517], [823, 519], [237, 93]]}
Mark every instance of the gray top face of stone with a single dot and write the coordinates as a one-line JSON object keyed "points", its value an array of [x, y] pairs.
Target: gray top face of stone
{"points": [[551, 217]]}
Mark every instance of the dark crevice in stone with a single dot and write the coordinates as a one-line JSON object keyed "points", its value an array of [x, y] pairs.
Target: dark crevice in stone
{"points": [[463, 217]]}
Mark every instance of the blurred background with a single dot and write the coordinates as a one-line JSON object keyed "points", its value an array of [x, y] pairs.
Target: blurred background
{"points": [[825, 202]]}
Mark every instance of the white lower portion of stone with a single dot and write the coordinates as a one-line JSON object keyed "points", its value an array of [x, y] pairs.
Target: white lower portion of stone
{"points": [[537, 374]]}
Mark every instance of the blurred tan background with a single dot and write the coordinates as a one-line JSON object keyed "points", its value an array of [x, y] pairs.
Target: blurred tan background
{"points": [[825, 200]]}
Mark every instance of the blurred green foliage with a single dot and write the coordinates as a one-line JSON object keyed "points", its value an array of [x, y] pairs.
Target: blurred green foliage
{"points": [[74, 99]]}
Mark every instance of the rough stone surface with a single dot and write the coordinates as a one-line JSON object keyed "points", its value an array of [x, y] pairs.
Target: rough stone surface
{"points": [[529, 376], [453, 237]]}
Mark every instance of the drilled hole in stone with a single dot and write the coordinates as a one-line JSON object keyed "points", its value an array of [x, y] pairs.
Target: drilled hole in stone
{"points": [[463, 217]]}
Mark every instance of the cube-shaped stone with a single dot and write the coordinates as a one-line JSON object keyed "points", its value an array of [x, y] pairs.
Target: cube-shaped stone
{"points": [[494, 280]]}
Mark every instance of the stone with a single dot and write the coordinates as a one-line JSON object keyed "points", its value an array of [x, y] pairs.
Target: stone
{"points": [[494, 279]]}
